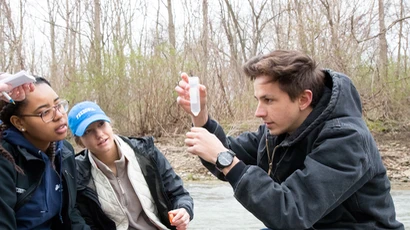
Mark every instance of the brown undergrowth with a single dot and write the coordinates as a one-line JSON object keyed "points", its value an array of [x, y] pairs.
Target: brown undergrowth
{"points": [[394, 148]]}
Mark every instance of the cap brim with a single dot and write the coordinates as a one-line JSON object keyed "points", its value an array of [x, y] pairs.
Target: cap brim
{"points": [[83, 126]]}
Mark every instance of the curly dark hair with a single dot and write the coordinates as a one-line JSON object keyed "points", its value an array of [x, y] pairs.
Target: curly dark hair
{"points": [[7, 111]]}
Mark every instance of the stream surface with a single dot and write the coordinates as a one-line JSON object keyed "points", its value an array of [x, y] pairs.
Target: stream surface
{"points": [[216, 208]]}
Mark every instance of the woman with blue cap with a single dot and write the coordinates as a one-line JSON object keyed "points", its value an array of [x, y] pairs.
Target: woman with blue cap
{"points": [[124, 182]]}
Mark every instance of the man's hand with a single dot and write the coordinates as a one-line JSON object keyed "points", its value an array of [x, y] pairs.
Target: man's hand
{"points": [[183, 100], [204, 144]]}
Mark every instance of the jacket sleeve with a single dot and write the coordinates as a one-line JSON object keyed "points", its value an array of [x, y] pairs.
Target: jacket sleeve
{"points": [[178, 195], [77, 221], [332, 173], [245, 146], [8, 196]]}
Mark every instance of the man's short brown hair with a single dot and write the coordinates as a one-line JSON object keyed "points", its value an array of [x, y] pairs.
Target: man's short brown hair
{"points": [[293, 70]]}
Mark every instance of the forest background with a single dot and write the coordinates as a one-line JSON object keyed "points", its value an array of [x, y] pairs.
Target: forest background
{"points": [[127, 56]]}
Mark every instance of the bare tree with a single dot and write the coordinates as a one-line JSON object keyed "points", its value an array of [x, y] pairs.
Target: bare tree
{"points": [[383, 71], [52, 9], [171, 25], [237, 27], [96, 45], [204, 41], [332, 12], [406, 56], [172, 39], [20, 54], [13, 38], [66, 12], [259, 24], [399, 42], [300, 18], [78, 27]]}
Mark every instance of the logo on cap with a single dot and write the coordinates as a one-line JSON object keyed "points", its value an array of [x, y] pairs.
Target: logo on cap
{"points": [[82, 112]]}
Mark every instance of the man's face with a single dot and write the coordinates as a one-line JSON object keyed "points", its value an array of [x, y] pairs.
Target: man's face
{"points": [[278, 112]]}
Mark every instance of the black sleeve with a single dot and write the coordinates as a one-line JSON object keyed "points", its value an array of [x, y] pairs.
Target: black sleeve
{"points": [[8, 197], [92, 213]]}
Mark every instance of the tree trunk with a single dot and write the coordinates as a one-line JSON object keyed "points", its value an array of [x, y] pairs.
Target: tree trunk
{"points": [[11, 38], [383, 44], [301, 29], [399, 42], [171, 25], [97, 38], [204, 42], [67, 44], [96, 67], [20, 54], [237, 28], [53, 67], [172, 39]]}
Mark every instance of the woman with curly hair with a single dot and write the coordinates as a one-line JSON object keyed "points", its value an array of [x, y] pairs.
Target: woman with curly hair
{"points": [[37, 166]]}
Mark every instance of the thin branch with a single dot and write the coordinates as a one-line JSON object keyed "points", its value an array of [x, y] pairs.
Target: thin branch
{"points": [[377, 35]]}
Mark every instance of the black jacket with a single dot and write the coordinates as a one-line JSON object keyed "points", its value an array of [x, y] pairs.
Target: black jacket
{"points": [[165, 186], [10, 179], [328, 174]]}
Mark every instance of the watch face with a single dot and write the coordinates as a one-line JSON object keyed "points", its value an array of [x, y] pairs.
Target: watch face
{"points": [[225, 159]]}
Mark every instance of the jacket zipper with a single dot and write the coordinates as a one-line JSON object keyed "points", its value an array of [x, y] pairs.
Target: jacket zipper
{"points": [[123, 192], [67, 174], [270, 157]]}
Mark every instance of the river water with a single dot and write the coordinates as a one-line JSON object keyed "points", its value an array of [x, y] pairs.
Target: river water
{"points": [[216, 208]]}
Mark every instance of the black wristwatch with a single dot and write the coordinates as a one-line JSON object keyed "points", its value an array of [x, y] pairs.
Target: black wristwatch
{"points": [[224, 159]]}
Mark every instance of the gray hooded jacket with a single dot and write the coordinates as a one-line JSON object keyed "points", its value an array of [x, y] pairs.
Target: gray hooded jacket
{"points": [[328, 174]]}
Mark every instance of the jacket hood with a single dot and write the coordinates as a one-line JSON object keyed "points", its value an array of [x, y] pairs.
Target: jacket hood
{"points": [[340, 99], [345, 99], [14, 136]]}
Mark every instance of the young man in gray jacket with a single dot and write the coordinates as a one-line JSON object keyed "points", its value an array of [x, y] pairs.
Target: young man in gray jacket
{"points": [[312, 164]]}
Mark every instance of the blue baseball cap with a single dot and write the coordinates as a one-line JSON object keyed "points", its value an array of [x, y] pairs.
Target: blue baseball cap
{"points": [[83, 114]]}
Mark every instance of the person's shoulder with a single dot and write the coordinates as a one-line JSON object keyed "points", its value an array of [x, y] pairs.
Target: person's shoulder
{"points": [[138, 141], [4, 157], [143, 145], [67, 146], [66, 150], [6, 162], [8, 147], [5, 143], [82, 155]]}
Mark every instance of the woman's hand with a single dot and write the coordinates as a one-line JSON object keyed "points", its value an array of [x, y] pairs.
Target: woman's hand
{"points": [[18, 93], [180, 218]]}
